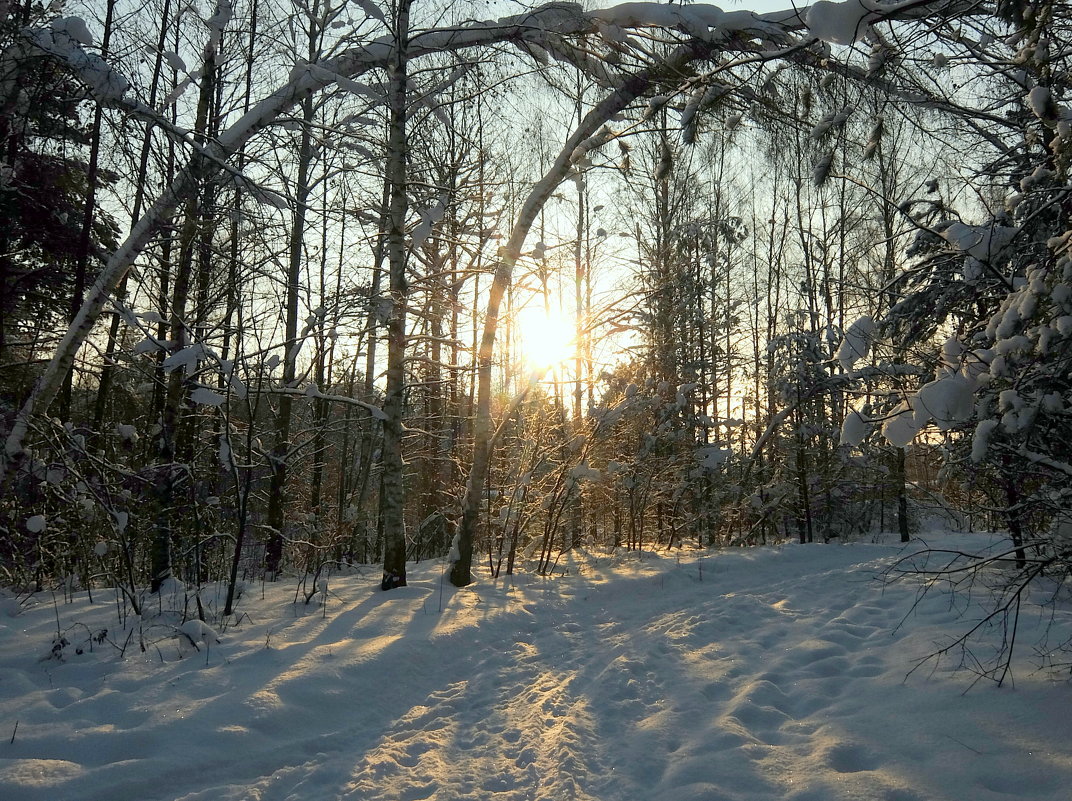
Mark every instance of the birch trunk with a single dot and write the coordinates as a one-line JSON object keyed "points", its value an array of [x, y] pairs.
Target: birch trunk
{"points": [[392, 500]]}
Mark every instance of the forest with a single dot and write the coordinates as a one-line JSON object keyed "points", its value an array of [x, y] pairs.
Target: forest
{"points": [[469, 399], [290, 287]]}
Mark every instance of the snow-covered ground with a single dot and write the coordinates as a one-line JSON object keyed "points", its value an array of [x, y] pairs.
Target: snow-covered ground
{"points": [[773, 673]]}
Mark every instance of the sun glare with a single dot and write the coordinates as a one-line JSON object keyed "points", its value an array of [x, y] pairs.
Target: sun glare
{"points": [[546, 340]]}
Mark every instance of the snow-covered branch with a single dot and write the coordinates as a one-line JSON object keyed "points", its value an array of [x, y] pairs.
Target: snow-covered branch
{"points": [[1046, 461], [312, 391], [707, 27]]}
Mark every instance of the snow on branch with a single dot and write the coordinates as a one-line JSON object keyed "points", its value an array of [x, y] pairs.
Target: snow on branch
{"points": [[313, 391], [64, 40], [1046, 461], [707, 25]]}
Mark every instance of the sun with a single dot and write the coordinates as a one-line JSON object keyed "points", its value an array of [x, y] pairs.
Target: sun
{"points": [[546, 339]]}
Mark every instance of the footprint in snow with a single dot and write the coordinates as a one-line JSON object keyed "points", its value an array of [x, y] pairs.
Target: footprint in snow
{"points": [[851, 758]]}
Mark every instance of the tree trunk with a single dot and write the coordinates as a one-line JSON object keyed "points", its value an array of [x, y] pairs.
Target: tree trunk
{"points": [[902, 497], [89, 208], [280, 458], [1013, 513], [392, 501], [108, 369], [168, 473]]}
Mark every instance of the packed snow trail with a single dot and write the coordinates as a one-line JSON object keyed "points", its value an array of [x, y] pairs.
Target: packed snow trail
{"points": [[749, 675]]}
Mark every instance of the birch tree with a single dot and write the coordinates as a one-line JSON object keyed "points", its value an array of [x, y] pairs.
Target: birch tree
{"points": [[392, 500]]}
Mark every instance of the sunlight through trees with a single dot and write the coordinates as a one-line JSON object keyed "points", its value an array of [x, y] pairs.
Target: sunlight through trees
{"points": [[290, 289]]}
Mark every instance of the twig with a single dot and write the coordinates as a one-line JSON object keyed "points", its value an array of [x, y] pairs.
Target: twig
{"points": [[123, 650], [442, 581], [958, 742]]}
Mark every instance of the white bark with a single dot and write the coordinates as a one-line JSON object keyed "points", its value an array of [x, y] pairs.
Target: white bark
{"points": [[392, 499]]}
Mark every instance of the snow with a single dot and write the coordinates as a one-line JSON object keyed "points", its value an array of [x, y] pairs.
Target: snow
{"points": [[981, 441], [582, 472], [238, 387], [712, 457], [749, 674], [186, 358], [75, 27], [901, 428], [430, 218], [948, 400], [206, 397], [216, 23], [64, 39], [1040, 101], [982, 242], [702, 20], [821, 170], [174, 60], [372, 11], [854, 429], [833, 120], [857, 342], [127, 432], [839, 23], [197, 631], [1017, 414], [149, 345]]}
